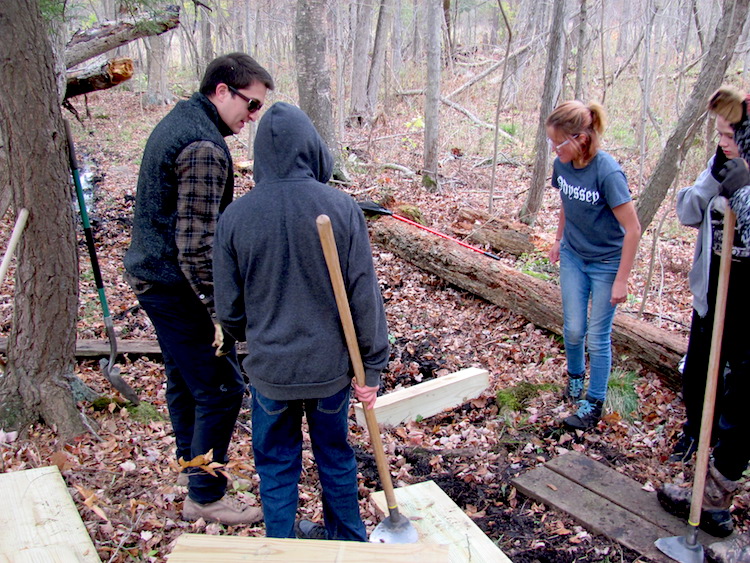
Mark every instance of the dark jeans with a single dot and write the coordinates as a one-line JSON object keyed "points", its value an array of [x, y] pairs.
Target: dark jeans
{"points": [[731, 422], [277, 447], [204, 393]]}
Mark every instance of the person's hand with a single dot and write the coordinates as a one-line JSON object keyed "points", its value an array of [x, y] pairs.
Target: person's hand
{"points": [[619, 293], [734, 176], [223, 342], [718, 164], [365, 394], [554, 252]]}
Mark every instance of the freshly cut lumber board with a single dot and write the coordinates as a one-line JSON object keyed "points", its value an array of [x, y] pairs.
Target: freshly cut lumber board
{"points": [[198, 548], [39, 521], [438, 520], [427, 398], [605, 502]]}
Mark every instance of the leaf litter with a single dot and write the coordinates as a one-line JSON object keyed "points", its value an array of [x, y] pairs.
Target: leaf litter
{"points": [[122, 475]]}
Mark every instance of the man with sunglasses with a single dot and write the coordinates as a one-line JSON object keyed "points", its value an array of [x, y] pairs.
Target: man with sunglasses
{"points": [[186, 180]]}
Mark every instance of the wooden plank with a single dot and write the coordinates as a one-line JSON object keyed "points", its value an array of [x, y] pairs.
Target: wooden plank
{"points": [[427, 398], [100, 348], [593, 511], [438, 520], [39, 521], [199, 548], [619, 489]]}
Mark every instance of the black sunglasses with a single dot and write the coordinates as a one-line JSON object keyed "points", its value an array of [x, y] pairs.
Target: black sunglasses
{"points": [[253, 104]]}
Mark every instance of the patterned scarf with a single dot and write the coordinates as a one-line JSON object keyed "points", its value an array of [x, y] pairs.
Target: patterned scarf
{"points": [[740, 201]]}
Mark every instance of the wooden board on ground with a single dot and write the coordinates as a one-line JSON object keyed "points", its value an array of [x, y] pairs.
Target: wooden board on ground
{"points": [[87, 348], [39, 521], [427, 398], [438, 520], [199, 548], [605, 502]]}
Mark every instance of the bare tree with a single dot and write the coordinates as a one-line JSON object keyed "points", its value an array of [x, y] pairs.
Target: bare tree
{"points": [[313, 75], [360, 48], [580, 53], [432, 98], [712, 72], [41, 346], [378, 56], [552, 85]]}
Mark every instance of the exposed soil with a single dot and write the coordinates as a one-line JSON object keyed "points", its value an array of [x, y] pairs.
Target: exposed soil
{"points": [[121, 475]]}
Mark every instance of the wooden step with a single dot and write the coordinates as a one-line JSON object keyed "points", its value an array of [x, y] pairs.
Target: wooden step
{"points": [[438, 520], [605, 502], [199, 548], [39, 520]]}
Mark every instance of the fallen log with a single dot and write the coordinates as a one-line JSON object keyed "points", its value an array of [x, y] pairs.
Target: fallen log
{"points": [[98, 75], [89, 43], [536, 300], [500, 234]]}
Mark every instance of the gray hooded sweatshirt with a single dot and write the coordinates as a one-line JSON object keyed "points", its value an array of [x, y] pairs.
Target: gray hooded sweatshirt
{"points": [[272, 286]]}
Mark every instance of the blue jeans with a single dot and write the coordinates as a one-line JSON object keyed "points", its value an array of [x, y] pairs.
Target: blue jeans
{"points": [[277, 447], [581, 282], [204, 393]]}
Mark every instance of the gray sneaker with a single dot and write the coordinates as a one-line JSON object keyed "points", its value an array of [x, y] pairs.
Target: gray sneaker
{"points": [[228, 510]]}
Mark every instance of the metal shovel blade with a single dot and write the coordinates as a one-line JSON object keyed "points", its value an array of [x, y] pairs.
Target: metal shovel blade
{"points": [[394, 529], [680, 548]]}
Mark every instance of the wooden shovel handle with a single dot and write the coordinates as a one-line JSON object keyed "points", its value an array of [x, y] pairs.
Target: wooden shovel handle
{"points": [[15, 236], [709, 398], [328, 242]]}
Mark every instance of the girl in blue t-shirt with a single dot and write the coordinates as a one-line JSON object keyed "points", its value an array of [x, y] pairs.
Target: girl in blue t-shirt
{"points": [[596, 241]]}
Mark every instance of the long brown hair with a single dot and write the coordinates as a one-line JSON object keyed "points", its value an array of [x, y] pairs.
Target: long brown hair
{"points": [[575, 118]]}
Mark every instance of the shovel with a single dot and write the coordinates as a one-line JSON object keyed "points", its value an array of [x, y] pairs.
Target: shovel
{"points": [[686, 549], [374, 208], [110, 370], [396, 528]]}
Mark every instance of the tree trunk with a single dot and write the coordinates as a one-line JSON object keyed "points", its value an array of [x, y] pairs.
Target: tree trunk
{"points": [[580, 54], [313, 75], [432, 98], [378, 56], [98, 75], [42, 337], [157, 55], [358, 110], [85, 45], [552, 84], [712, 72], [536, 300]]}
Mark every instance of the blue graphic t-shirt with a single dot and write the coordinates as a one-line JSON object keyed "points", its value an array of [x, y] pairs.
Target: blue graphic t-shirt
{"points": [[588, 196]]}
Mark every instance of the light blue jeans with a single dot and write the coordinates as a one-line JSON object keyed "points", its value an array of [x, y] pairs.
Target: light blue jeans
{"points": [[583, 282]]}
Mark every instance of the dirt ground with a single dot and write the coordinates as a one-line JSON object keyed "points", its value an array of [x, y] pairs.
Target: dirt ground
{"points": [[121, 475]]}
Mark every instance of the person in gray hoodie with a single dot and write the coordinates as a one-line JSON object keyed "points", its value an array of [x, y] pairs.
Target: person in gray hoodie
{"points": [[273, 290], [701, 207]]}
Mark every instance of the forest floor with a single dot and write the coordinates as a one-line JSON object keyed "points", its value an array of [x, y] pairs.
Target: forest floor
{"points": [[122, 474]]}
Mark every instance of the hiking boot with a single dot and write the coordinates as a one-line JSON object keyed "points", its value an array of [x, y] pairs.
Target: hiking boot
{"points": [[229, 511], [684, 449], [307, 530], [183, 479], [733, 550], [587, 416], [574, 388], [717, 498]]}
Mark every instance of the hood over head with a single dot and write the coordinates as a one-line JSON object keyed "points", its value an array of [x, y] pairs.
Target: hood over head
{"points": [[287, 145]]}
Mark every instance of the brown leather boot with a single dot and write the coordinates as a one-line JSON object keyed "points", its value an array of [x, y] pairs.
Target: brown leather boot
{"points": [[717, 498]]}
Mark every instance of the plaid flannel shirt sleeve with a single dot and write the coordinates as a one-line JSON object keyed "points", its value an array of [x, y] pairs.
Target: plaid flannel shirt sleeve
{"points": [[202, 169]]}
